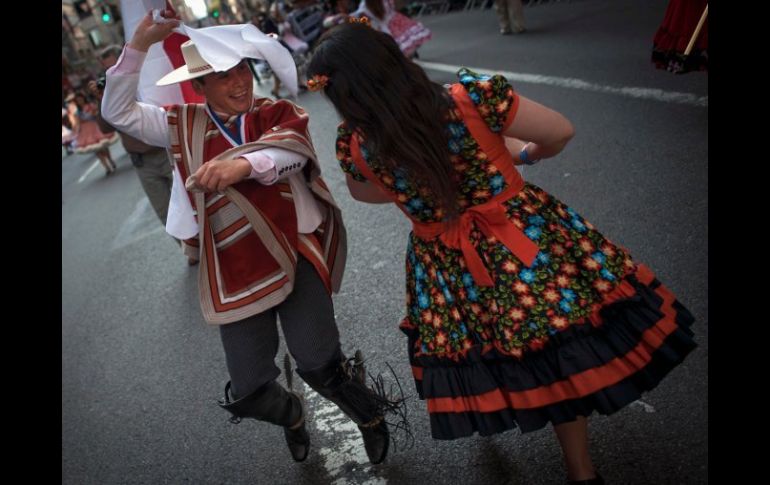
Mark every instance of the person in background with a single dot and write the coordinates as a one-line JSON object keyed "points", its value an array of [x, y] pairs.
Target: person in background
{"points": [[507, 9], [675, 34], [152, 164], [88, 137], [409, 34], [67, 136]]}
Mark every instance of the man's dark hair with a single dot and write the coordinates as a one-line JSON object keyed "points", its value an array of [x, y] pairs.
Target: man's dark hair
{"points": [[113, 49]]}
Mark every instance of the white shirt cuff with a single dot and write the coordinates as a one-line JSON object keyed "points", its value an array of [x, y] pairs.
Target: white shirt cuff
{"points": [[262, 167]]}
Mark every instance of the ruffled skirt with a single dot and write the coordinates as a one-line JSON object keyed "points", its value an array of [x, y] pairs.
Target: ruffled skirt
{"points": [[584, 329]]}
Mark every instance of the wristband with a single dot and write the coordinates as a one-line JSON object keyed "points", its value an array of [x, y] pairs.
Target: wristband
{"points": [[524, 156]]}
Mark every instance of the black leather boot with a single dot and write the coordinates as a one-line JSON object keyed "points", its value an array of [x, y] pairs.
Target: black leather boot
{"points": [[342, 382], [274, 404]]}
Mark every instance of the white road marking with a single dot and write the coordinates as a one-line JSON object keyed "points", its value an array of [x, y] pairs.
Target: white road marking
{"points": [[647, 408], [90, 169], [573, 83], [347, 445], [141, 223]]}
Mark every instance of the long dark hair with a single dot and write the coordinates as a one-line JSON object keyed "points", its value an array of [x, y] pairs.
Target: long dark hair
{"points": [[376, 7], [389, 99]]}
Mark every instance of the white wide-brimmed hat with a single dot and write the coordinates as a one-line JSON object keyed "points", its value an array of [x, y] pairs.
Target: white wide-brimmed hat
{"points": [[195, 66], [222, 47]]}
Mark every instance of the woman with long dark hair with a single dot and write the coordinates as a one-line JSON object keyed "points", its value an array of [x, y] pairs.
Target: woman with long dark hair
{"points": [[519, 312]]}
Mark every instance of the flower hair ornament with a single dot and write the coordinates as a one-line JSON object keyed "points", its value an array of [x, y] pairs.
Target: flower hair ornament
{"points": [[317, 82], [360, 20]]}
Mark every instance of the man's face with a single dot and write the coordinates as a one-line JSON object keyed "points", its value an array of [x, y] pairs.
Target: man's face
{"points": [[228, 92]]}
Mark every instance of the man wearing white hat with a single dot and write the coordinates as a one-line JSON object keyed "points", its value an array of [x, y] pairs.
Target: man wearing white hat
{"points": [[267, 231]]}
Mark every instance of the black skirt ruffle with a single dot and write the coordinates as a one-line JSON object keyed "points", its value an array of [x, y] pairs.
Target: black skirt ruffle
{"points": [[634, 343]]}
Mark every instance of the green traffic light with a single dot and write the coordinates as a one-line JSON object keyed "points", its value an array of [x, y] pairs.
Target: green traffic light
{"points": [[215, 13], [105, 17]]}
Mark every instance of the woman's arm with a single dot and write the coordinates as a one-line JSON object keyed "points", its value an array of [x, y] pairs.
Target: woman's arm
{"points": [[366, 192], [546, 130], [74, 120], [514, 146]]}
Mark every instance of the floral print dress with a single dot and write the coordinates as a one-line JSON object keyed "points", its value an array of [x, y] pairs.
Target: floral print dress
{"points": [[579, 328]]}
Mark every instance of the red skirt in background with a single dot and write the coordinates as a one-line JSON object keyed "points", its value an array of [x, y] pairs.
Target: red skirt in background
{"points": [[91, 139], [674, 35]]}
